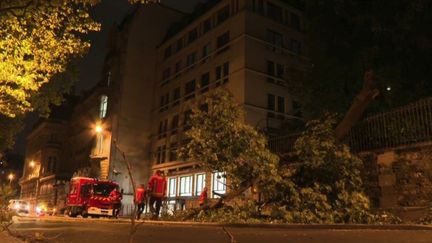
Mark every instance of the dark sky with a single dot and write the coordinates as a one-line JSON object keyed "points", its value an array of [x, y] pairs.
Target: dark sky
{"points": [[108, 13]]}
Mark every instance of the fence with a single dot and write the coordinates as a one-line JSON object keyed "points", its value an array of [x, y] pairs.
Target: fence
{"points": [[405, 125], [402, 126]]}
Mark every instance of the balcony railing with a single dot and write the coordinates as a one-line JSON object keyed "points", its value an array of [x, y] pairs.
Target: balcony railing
{"points": [[403, 126]]}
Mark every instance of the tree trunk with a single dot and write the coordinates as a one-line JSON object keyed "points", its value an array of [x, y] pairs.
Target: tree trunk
{"points": [[227, 197], [359, 105]]}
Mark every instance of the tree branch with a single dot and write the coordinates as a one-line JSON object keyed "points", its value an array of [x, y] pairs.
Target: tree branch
{"points": [[359, 105]]}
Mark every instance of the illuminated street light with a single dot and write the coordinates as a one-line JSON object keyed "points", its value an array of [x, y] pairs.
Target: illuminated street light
{"points": [[98, 129], [11, 177], [388, 88], [32, 164]]}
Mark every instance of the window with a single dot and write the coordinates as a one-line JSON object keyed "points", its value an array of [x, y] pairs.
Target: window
{"points": [[193, 35], [189, 90], [176, 96], [173, 151], [275, 70], [274, 38], [272, 101], [223, 14], [186, 124], [222, 42], [174, 124], [160, 153], [167, 52], [166, 75], [179, 45], [274, 12], [222, 73], [295, 21], [103, 106], [219, 183], [190, 60], [205, 81], [281, 104], [206, 52], [178, 68], [172, 187], [164, 102], [199, 183], [207, 25], [185, 186], [163, 126], [52, 163], [295, 46]]}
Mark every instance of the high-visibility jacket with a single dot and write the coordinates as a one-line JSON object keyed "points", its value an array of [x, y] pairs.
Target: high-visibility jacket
{"points": [[203, 197], [157, 186], [139, 195], [115, 196]]}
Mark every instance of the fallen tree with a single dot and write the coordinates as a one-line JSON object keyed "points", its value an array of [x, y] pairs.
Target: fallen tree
{"points": [[221, 141]]}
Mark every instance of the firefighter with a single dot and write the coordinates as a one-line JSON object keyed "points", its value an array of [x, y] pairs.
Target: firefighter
{"points": [[157, 190], [203, 197], [140, 199], [115, 197]]}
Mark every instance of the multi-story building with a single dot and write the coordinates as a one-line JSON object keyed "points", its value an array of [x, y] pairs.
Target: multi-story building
{"points": [[254, 48], [45, 172], [155, 73]]}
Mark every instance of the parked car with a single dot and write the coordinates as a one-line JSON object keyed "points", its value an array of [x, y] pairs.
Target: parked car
{"points": [[20, 206]]}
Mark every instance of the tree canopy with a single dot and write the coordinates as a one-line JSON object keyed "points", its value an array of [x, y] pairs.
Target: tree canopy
{"points": [[221, 141], [348, 37], [39, 43]]}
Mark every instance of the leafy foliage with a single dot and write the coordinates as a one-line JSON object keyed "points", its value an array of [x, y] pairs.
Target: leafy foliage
{"points": [[322, 185], [221, 141], [6, 193], [348, 37], [38, 38]]}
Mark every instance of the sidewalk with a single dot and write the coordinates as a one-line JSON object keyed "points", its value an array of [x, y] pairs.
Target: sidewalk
{"points": [[125, 220], [5, 238]]}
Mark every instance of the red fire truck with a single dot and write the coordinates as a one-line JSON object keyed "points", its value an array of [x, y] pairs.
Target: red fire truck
{"points": [[89, 196]]}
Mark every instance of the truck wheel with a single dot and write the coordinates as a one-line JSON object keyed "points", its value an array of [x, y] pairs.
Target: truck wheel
{"points": [[84, 213], [72, 212]]}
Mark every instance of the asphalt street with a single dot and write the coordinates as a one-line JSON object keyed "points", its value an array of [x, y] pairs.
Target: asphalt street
{"points": [[104, 231]]}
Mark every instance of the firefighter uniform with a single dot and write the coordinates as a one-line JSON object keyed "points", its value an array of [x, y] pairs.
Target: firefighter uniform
{"points": [[157, 190]]}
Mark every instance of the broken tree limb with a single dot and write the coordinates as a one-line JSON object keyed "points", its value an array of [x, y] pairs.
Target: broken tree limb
{"points": [[227, 197], [366, 95]]}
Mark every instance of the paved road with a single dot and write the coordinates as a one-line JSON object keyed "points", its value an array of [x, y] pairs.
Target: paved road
{"points": [[91, 231]]}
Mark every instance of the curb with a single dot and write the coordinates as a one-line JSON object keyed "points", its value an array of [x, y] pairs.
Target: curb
{"points": [[235, 225]]}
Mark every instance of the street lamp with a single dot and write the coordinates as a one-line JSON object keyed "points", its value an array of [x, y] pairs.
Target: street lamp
{"points": [[32, 164], [11, 177], [98, 129]]}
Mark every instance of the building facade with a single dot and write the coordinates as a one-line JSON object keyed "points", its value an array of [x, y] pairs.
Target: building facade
{"points": [[154, 74], [45, 173], [253, 48]]}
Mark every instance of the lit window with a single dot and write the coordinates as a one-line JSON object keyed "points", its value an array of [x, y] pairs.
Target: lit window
{"points": [[185, 186], [172, 187], [199, 183], [219, 183], [103, 106]]}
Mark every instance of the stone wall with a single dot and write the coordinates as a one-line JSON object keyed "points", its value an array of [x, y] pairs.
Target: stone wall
{"points": [[399, 177]]}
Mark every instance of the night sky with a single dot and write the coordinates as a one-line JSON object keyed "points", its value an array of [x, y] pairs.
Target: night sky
{"points": [[108, 13]]}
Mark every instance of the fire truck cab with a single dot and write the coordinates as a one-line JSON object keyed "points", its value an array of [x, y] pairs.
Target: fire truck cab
{"points": [[89, 196]]}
